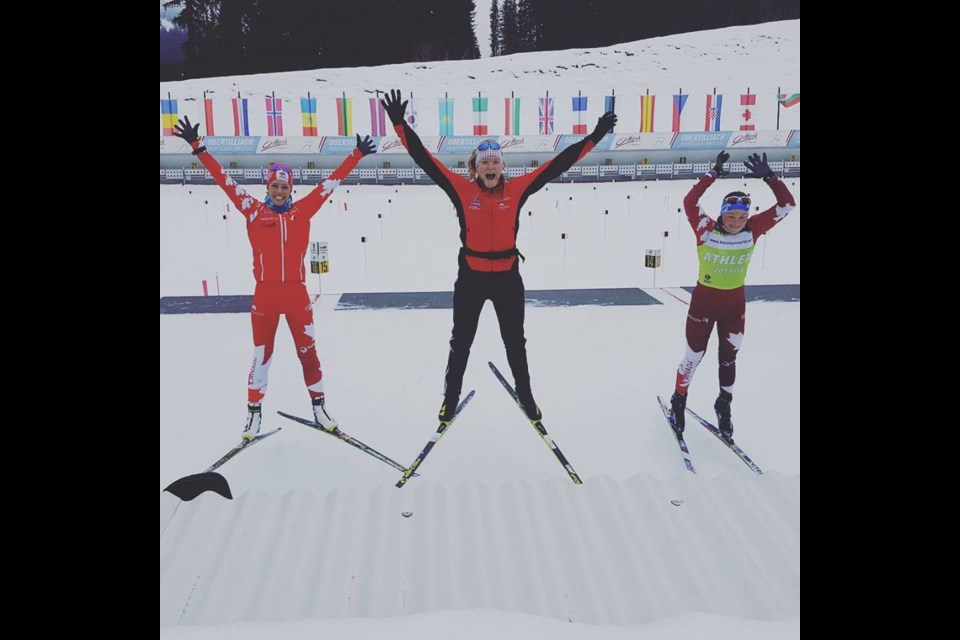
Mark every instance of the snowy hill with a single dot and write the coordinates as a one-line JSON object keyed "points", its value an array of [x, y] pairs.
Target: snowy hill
{"points": [[763, 58]]}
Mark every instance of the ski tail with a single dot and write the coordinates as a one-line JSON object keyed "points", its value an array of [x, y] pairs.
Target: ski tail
{"points": [[345, 437], [684, 451]]}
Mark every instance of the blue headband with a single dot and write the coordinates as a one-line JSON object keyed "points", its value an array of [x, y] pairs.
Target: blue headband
{"points": [[737, 206]]}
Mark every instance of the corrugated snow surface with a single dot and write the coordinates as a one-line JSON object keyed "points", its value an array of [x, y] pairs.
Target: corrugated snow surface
{"points": [[606, 552]]}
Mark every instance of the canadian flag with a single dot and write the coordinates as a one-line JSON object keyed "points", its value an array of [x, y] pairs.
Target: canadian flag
{"points": [[748, 102]]}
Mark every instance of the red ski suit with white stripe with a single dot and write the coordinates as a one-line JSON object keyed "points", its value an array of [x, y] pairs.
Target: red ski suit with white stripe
{"points": [[279, 242]]}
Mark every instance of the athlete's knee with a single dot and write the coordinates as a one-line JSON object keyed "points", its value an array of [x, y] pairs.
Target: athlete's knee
{"points": [[518, 343], [461, 341], [307, 352], [693, 357]]}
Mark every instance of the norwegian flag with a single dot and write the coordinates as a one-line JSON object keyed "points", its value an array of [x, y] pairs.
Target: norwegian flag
{"points": [[546, 115], [274, 116], [748, 102]]}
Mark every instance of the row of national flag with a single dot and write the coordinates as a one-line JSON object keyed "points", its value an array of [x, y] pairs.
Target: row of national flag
{"points": [[546, 114]]}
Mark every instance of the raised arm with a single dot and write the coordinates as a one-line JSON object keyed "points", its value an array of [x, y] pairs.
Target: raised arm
{"points": [[532, 182], [312, 202], [191, 135], [697, 217], [411, 142], [765, 220]]}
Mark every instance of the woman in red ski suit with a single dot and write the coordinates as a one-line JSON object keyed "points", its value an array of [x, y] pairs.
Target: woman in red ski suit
{"points": [[488, 208], [278, 229]]}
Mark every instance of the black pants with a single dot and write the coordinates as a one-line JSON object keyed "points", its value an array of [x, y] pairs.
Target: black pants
{"points": [[472, 290]]}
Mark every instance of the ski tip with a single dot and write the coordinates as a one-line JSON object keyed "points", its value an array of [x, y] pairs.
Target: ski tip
{"points": [[460, 407]]}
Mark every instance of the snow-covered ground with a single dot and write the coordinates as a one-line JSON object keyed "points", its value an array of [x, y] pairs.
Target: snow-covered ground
{"points": [[595, 370]]}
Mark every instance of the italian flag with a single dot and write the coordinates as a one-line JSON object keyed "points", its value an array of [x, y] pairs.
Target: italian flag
{"points": [[480, 116]]}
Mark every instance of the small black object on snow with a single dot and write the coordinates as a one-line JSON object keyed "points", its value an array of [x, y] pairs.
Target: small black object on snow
{"points": [[407, 514]]}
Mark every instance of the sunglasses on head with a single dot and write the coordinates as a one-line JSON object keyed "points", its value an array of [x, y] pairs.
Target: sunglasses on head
{"points": [[737, 200], [489, 145]]}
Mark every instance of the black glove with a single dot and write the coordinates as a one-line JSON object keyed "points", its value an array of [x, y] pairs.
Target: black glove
{"points": [[758, 167], [605, 125], [366, 145], [722, 157], [183, 129], [395, 109]]}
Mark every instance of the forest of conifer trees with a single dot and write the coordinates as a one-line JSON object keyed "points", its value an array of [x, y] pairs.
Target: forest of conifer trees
{"points": [[235, 37]]}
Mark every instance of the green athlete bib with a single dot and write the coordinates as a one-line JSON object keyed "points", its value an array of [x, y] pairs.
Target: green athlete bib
{"points": [[724, 259]]}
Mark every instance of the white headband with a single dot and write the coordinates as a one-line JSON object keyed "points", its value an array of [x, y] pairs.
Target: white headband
{"points": [[489, 153]]}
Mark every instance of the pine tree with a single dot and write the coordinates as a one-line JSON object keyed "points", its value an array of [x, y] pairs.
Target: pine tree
{"points": [[509, 41], [528, 26], [496, 29], [229, 34], [473, 48], [198, 18]]}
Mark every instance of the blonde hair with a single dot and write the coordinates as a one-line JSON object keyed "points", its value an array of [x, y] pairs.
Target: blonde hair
{"points": [[472, 161]]}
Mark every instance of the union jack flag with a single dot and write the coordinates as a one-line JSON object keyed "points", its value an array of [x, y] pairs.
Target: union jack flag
{"points": [[546, 115]]}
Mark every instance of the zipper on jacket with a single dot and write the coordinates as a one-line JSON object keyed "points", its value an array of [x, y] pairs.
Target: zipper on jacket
{"points": [[493, 228], [283, 242]]}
